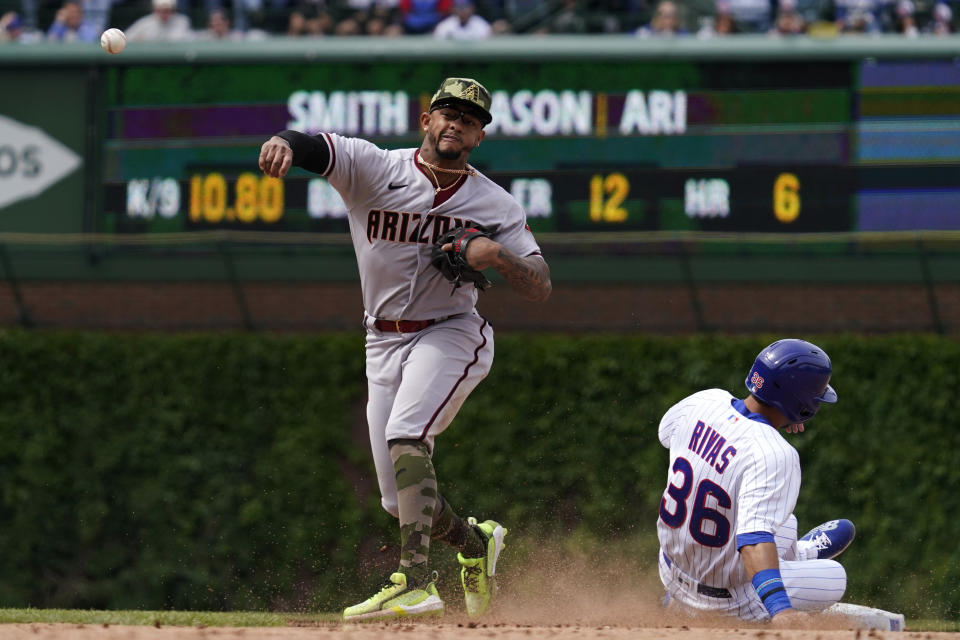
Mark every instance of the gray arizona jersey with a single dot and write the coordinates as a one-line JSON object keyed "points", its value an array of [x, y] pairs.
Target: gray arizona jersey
{"points": [[730, 475], [396, 216]]}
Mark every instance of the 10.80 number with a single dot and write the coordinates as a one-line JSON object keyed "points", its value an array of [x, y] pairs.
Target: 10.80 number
{"points": [[256, 199]]}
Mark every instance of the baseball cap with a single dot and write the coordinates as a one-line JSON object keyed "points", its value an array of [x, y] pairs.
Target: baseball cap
{"points": [[464, 92]]}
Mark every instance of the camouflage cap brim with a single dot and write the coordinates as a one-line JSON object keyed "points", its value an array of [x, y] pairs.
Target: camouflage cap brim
{"points": [[480, 114], [466, 92]]}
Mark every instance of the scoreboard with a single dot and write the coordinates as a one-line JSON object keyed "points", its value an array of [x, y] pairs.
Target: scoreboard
{"points": [[781, 146], [757, 199]]}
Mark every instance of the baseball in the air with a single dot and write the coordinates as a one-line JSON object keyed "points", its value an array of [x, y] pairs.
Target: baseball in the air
{"points": [[113, 41]]}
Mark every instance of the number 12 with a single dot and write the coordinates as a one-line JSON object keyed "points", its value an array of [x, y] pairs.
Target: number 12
{"points": [[699, 511], [617, 186]]}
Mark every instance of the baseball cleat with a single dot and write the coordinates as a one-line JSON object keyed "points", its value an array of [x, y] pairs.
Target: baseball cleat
{"points": [[831, 538], [478, 575], [397, 600]]}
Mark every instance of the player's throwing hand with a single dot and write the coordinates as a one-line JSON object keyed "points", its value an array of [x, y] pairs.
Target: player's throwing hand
{"points": [[276, 157]]}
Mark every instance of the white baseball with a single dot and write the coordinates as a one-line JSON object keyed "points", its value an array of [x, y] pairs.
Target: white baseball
{"points": [[113, 40]]}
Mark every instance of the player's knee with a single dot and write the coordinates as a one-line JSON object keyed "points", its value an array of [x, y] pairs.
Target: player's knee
{"points": [[406, 442]]}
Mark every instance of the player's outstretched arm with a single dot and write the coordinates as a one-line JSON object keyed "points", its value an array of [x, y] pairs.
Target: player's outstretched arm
{"points": [[292, 148], [529, 277]]}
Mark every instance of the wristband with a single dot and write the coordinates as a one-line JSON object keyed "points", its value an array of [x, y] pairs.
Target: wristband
{"points": [[773, 594]]}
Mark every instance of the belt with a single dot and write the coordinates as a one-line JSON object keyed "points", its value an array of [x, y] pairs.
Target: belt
{"points": [[706, 590], [401, 326]]}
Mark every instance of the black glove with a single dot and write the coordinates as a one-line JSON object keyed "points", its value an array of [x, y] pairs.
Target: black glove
{"points": [[453, 264]]}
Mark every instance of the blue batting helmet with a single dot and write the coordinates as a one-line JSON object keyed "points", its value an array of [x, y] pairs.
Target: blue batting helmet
{"points": [[793, 376]]}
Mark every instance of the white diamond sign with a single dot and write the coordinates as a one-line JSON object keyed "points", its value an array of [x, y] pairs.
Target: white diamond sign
{"points": [[30, 161]]}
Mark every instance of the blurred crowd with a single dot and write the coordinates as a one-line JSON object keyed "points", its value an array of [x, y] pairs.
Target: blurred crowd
{"points": [[28, 21]]}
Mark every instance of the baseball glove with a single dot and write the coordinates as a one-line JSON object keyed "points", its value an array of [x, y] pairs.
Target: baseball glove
{"points": [[453, 264]]}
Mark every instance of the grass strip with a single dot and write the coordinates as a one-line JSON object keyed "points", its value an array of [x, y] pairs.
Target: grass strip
{"points": [[165, 618]]}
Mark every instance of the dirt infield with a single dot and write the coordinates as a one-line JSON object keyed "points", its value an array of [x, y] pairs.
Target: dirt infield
{"points": [[555, 595], [442, 631]]}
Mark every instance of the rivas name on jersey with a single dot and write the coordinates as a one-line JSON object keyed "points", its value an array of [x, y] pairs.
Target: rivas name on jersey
{"points": [[707, 443]]}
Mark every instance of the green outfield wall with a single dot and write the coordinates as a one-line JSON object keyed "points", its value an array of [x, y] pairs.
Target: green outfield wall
{"points": [[231, 471]]}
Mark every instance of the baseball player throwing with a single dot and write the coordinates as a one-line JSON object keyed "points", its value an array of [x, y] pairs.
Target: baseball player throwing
{"points": [[427, 347], [728, 536]]}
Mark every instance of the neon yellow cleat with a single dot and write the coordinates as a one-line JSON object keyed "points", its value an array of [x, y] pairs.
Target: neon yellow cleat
{"points": [[478, 575], [397, 600]]}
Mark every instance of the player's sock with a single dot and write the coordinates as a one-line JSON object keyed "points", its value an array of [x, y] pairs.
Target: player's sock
{"points": [[454, 530], [416, 503]]}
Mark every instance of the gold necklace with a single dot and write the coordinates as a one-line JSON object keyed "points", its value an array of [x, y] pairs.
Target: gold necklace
{"points": [[461, 172], [469, 171], [449, 186]]}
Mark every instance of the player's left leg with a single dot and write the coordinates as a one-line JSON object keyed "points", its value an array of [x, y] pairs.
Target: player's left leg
{"points": [[410, 590], [442, 368], [426, 515], [416, 503]]}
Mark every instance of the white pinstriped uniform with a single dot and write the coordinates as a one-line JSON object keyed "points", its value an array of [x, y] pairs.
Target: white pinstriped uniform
{"points": [[731, 473], [416, 381]]}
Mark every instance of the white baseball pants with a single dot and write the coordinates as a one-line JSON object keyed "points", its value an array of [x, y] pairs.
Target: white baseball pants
{"points": [[417, 383], [813, 585]]}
